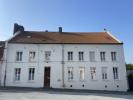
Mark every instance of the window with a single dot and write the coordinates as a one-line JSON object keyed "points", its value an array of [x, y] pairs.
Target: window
{"points": [[31, 73], [19, 56], [113, 56], [17, 74], [47, 55], [92, 56], [104, 73], [93, 73], [70, 56], [70, 73], [115, 72], [82, 74], [102, 55], [32, 55], [81, 56]]}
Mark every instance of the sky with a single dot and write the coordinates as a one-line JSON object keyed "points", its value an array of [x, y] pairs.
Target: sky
{"points": [[73, 15]]}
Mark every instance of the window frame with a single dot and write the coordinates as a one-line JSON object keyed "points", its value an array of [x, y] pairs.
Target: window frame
{"points": [[81, 55], [32, 57], [17, 74], [19, 56], [70, 73], [103, 56], [92, 56], [93, 73], [47, 55], [70, 55], [82, 77], [31, 74]]}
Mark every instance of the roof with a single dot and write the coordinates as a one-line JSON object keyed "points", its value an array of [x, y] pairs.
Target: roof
{"points": [[64, 37], [1, 49]]}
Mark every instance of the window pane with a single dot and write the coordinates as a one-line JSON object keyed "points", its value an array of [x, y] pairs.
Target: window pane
{"points": [[92, 55], [70, 73], [82, 73]]}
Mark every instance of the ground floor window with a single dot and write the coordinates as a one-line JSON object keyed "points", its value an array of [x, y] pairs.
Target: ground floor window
{"points": [[82, 73], [104, 73], [31, 73], [70, 73], [93, 73], [17, 74], [115, 73]]}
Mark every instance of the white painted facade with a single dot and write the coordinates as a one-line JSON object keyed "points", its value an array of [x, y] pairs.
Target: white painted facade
{"points": [[59, 68]]}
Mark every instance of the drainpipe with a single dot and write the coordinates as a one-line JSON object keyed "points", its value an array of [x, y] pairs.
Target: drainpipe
{"points": [[5, 57], [63, 85]]}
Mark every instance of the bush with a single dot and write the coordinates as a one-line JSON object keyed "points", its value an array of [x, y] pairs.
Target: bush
{"points": [[129, 66], [130, 76]]}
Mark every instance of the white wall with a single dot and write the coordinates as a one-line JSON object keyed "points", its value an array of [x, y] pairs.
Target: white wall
{"points": [[56, 66]]}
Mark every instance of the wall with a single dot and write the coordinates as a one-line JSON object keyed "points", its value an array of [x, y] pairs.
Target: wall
{"points": [[56, 66]]}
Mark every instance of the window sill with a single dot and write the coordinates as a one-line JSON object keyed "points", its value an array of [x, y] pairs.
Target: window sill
{"points": [[116, 79], [70, 80], [16, 82], [105, 80], [31, 81], [93, 80], [82, 80]]}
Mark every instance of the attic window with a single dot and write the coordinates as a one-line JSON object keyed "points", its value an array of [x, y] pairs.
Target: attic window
{"points": [[28, 36]]}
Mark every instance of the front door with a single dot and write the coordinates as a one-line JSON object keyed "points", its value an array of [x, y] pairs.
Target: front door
{"points": [[47, 77]]}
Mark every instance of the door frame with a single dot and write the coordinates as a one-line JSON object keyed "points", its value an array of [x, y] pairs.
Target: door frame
{"points": [[44, 82]]}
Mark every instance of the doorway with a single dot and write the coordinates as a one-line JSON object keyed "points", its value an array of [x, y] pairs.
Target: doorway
{"points": [[47, 77]]}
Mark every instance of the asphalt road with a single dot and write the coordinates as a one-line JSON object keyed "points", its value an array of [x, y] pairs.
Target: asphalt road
{"points": [[40, 94]]}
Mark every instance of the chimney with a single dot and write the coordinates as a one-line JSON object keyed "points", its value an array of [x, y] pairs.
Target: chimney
{"points": [[60, 29], [17, 28]]}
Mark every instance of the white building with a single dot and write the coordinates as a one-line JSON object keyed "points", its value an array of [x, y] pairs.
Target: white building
{"points": [[66, 60]]}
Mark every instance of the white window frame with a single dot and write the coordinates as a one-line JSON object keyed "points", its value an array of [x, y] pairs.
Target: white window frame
{"points": [[17, 74], [19, 56], [116, 73], [114, 56], [70, 73], [104, 71], [32, 55], [103, 56], [82, 73], [70, 55], [81, 55], [47, 55], [93, 73], [31, 74], [92, 56]]}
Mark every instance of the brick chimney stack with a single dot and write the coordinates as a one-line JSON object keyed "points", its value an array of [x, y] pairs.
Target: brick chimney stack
{"points": [[17, 28]]}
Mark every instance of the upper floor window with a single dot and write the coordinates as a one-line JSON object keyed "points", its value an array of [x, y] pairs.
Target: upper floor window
{"points": [[70, 56], [104, 73], [32, 55], [17, 74], [19, 56], [82, 73], [93, 73], [81, 56], [113, 56], [31, 73], [115, 73], [102, 56], [92, 56], [70, 73], [47, 55]]}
